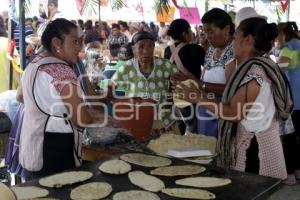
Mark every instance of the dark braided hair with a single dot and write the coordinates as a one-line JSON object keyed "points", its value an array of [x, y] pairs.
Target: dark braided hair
{"points": [[264, 34], [57, 28], [289, 29], [218, 18], [177, 28]]}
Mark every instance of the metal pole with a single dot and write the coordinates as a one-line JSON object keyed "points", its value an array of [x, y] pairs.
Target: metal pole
{"points": [[288, 11], [99, 6], [11, 25], [22, 34]]}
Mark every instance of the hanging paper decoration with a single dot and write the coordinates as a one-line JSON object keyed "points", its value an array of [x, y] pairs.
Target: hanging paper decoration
{"points": [[104, 3], [166, 16], [79, 4], [139, 8], [190, 14], [284, 5]]}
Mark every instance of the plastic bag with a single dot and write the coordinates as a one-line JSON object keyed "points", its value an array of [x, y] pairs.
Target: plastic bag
{"points": [[105, 135], [8, 103]]}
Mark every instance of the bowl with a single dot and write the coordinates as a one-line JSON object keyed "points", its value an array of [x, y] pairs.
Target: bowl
{"points": [[136, 115]]}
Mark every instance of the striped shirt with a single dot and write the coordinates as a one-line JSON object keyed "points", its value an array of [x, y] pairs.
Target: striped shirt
{"points": [[28, 31]]}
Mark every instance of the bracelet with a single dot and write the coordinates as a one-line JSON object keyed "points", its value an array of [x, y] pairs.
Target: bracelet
{"points": [[203, 87]]}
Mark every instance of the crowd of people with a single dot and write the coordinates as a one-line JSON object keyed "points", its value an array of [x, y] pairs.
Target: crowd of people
{"points": [[241, 96]]}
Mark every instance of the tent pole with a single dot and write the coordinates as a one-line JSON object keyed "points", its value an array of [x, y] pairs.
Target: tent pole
{"points": [[99, 8], [22, 34], [11, 25], [288, 11]]}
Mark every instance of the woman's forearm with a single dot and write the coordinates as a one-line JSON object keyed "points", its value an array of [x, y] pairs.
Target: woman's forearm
{"points": [[224, 111], [206, 87]]}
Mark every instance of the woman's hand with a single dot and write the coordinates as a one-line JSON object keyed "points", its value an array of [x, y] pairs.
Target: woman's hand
{"points": [[178, 77], [190, 94]]}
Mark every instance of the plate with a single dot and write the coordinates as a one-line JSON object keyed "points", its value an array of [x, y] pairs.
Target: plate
{"points": [[188, 152], [199, 161], [283, 65]]}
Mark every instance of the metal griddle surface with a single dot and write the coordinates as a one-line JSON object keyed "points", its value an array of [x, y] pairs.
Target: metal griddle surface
{"points": [[244, 186]]}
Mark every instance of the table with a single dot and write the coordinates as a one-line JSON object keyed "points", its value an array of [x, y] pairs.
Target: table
{"points": [[244, 186]]}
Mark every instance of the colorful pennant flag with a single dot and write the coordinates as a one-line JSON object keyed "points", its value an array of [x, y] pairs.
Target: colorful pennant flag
{"points": [[166, 16], [190, 14], [284, 5]]}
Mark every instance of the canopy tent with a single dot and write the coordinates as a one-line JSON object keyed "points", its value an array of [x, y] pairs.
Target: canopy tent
{"points": [[139, 10]]}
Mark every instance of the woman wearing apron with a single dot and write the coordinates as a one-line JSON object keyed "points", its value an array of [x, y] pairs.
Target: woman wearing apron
{"points": [[54, 112]]}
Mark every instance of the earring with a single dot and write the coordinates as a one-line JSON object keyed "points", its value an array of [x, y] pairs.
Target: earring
{"points": [[58, 50]]}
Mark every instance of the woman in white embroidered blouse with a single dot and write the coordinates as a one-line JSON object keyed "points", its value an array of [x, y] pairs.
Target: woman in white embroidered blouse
{"points": [[55, 112], [219, 30]]}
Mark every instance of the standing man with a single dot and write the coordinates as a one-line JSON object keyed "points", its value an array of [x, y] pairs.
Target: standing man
{"points": [[116, 40]]}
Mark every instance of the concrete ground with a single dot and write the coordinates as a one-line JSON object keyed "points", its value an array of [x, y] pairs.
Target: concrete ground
{"points": [[287, 193]]}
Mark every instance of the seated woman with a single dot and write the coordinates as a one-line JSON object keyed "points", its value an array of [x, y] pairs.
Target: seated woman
{"points": [[146, 75], [255, 100], [55, 113]]}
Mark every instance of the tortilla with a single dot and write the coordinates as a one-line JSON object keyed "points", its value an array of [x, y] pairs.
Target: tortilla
{"points": [[145, 181], [187, 193], [178, 170], [181, 103], [171, 141], [66, 178], [136, 194], [90, 191], [146, 160], [115, 167], [23, 193], [203, 182], [44, 199]]}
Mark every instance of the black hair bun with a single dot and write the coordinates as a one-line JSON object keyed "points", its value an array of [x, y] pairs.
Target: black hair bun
{"points": [[170, 31], [271, 32]]}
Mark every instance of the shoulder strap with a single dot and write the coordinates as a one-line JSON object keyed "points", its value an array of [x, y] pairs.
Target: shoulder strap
{"points": [[49, 60], [175, 57]]}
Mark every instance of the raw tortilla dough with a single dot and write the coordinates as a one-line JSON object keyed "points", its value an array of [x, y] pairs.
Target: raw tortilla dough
{"points": [[23, 193], [145, 181], [203, 182], [146, 160], [115, 167], [171, 141], [188, 193], [65, 178], [178, 170], [181, 103], [135, 195], [91, 191], [44, 199]]}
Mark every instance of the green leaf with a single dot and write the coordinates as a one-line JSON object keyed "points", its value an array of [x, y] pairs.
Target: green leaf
{"points": [[118, 4], [161, 5], [27, 7]]}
